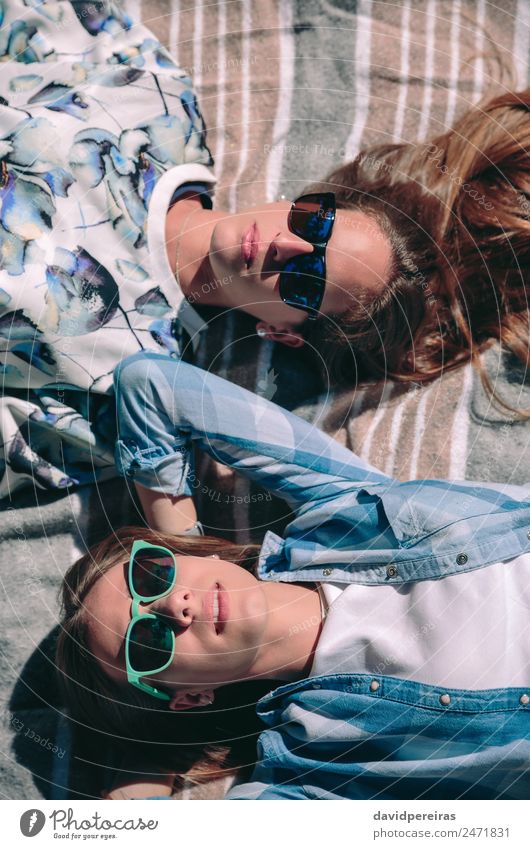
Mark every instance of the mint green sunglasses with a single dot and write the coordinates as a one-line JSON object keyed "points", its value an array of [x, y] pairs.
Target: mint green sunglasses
{"points": [[149, 641]]}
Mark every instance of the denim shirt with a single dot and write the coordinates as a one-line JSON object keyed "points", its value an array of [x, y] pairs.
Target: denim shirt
{"points": [[344, 736]]}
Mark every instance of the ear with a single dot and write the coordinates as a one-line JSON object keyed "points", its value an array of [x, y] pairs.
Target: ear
{"points": [[183, 700], [285, 335]]}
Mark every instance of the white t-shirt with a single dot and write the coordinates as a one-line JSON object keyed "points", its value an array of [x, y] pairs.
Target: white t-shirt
{"points": [[467, 631]]}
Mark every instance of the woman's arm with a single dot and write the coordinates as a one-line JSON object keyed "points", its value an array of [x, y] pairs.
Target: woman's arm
{"points": [[166, 406], [173, 514]]}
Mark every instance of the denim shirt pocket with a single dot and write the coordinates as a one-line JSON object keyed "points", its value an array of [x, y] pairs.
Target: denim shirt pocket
{"points": [[130, 459]]}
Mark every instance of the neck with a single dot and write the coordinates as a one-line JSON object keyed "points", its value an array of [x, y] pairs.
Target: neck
{"points": [[293, 629], [189, 230]]}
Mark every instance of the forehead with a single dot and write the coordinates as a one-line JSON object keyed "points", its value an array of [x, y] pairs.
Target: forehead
{"points": [[108, 608], [354, 221], [358, 251]]}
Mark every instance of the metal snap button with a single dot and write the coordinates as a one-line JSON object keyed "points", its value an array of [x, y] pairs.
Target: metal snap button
{"points": [[374, 685], [391, 571], [317, 686], [462, 559], [327, 572], [445, 699], [525, 699], [528, 535]]}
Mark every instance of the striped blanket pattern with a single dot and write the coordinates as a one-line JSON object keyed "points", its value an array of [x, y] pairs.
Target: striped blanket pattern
{"points": [[289, 89]]}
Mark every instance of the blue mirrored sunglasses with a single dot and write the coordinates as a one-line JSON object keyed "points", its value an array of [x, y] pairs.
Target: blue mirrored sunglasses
{"points": [[303, 278]]}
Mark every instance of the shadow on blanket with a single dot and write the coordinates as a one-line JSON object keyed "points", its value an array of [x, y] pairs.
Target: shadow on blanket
{"points": [[44, 532]]}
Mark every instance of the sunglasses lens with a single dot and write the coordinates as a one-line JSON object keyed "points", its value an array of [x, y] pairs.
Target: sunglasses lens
{"points": [[153, 573], [150, 645], [311, 218], [302, 281]]}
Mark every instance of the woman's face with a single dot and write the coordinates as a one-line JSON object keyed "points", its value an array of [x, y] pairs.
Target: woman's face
{"points": [[358, 259], [208, 653]]}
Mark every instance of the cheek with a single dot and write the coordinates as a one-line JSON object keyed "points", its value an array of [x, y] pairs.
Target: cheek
{"points": [[225, 243], [265, 307], [253, 610]]}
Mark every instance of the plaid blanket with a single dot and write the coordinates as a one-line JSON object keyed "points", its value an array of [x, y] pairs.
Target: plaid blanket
{"points": [[288, 90]]}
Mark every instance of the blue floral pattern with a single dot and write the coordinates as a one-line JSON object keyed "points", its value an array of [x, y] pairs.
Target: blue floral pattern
{"points": [[93, 112], [31, 177]]}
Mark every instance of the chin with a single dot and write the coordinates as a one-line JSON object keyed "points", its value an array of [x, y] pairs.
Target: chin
{"points": [[253, 611], [225, 248]]}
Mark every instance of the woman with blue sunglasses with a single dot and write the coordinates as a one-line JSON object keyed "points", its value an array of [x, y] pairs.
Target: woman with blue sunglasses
{"points": [[368, 613], [413, 258], [109, 244]]}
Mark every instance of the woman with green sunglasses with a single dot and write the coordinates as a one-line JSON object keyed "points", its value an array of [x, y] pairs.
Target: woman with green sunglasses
{"points": [[368, 611]]}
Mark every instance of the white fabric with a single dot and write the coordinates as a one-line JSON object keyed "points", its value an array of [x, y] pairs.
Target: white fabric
{"points": [[469, 631], [160, 269]]}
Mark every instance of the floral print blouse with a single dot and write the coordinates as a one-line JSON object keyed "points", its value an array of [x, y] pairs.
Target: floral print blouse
{"points": [[98, 126]]}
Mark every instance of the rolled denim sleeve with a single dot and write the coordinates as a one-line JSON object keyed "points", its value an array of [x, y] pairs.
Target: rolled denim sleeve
{"points": [[150, 448], [164, 407]]}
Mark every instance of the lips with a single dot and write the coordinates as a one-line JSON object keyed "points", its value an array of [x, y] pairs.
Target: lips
{"points": [[216, 607], [250, 245]]}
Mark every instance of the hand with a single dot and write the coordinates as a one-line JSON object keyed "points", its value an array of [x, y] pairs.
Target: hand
{"points": [[148, 781]]}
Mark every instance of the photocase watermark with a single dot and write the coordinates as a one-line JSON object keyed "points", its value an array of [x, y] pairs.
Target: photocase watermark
{"points": [[524, 204], [32, 822], [61, 373], [266, 387], [65, 22], [368, 226], [371, 161], [419, 279], [224, 497], [436, 154], [311, 622], [96, 826], [367, 160], [32, 584], [65, 820], [424, 629], [30, 734], [209, 286], [391, 663], [384, 663], [304, 149], [228, 64]]}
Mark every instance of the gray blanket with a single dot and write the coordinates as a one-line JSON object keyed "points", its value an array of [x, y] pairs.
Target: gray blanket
{"points": [[311, 83]]}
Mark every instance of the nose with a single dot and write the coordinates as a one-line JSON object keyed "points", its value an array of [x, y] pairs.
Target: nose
{"points": [[286, 246], [180, 606]]}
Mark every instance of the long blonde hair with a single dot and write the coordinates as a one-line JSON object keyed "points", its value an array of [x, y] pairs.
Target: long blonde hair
{"points": [[456, 210], [200, 743]]}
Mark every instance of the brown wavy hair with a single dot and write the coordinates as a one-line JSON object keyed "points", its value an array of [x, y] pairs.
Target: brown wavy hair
{"points": [[456, 210], [198, 744]]}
